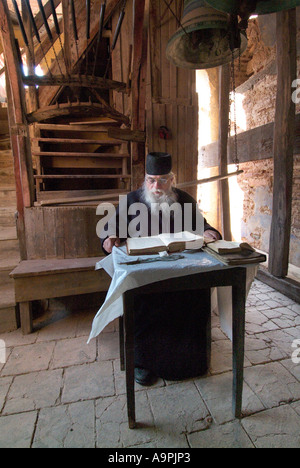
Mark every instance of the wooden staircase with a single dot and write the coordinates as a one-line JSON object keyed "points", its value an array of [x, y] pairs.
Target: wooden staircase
{"points": [[9, 244], [77, 163]]}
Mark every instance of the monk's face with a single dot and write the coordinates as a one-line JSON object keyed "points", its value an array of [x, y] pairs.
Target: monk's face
{"points": [[159, 185]]}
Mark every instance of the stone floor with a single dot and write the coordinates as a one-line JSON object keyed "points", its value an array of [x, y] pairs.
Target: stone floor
{"points": [[57, 391]]}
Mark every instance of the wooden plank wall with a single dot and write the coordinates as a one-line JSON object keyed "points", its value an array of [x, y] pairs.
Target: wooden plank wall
{"points": [[61, 232], [171, 96]]}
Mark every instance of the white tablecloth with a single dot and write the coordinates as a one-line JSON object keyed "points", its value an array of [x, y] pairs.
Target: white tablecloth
{"points": [[125, 277]]}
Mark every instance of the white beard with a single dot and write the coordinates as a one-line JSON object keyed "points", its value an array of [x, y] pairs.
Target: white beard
{"points": [[163, 207], [158, 202]]}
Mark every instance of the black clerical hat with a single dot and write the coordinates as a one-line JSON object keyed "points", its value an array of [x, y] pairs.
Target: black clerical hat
{"points": [[158, 163]]}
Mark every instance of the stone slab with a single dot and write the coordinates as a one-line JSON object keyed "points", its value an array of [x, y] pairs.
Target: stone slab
{"points": [[275, 428]]}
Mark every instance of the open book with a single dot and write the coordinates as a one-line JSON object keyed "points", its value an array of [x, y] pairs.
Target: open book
{"points": [[225, 247], [164, 242], [234, 253]]}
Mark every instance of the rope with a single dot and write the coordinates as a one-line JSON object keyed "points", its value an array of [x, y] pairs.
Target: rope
{"points": [[177, 19]]}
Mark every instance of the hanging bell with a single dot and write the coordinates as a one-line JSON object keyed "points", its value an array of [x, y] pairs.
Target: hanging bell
{"points": [[258, 7], [204, 38]]}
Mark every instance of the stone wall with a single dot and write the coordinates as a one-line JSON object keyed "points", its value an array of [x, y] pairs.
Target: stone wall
{"points": [[257, 181]]}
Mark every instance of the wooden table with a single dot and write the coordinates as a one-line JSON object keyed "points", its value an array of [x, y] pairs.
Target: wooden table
{"points": [[235, 277]]}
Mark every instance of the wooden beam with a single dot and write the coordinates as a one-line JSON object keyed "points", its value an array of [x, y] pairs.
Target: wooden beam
{"points": [[253, 145], [284, 132], [32, 91], [111, 110], [127, 134], [18, 127], [74, 80], [48, 11], [208, 179], [287, 286], [81, 109], [40, 50], [67, 35], [224, 92]]}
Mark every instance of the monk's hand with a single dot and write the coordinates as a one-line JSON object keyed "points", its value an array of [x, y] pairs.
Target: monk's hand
{"points": [[211, 235], [110, 242]]}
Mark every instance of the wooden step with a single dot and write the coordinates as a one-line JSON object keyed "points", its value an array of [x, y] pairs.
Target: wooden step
{"points": [[77, 127], [9, 253], [8, 319], [77, 176], [7, 216], [3, 113], [96, 122], [82, 163], [79, 155], [7, 297], [7, 302], [7, 177], [6, 159], [75, 194], [86, 201], [78, 203], [4, 142], [4, 130], [10, 185], [6, 282], [8, 233], [83, 141], [8, 196]]}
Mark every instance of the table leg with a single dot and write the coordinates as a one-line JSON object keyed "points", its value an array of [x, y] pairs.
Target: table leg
{"points": [[208, 333], [121, 343], [238, 340], [129, 356]]}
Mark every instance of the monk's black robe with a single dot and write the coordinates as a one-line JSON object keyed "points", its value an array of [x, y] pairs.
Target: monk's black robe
{"points": [[170, 327]]}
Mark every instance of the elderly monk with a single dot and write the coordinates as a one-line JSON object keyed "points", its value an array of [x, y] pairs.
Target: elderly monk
{"points": [[170, 328]]}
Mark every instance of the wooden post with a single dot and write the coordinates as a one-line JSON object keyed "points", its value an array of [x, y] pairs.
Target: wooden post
{"points": [[17, 121], [67, 35], [138, 87], [20, 222], [19, 128], [284, 133], [222, 149]]}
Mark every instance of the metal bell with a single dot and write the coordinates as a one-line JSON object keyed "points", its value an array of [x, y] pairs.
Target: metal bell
{"points": [[204, 38]]}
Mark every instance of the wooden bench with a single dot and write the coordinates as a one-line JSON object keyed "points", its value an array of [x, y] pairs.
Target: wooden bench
{"points": [[45, 279]]}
